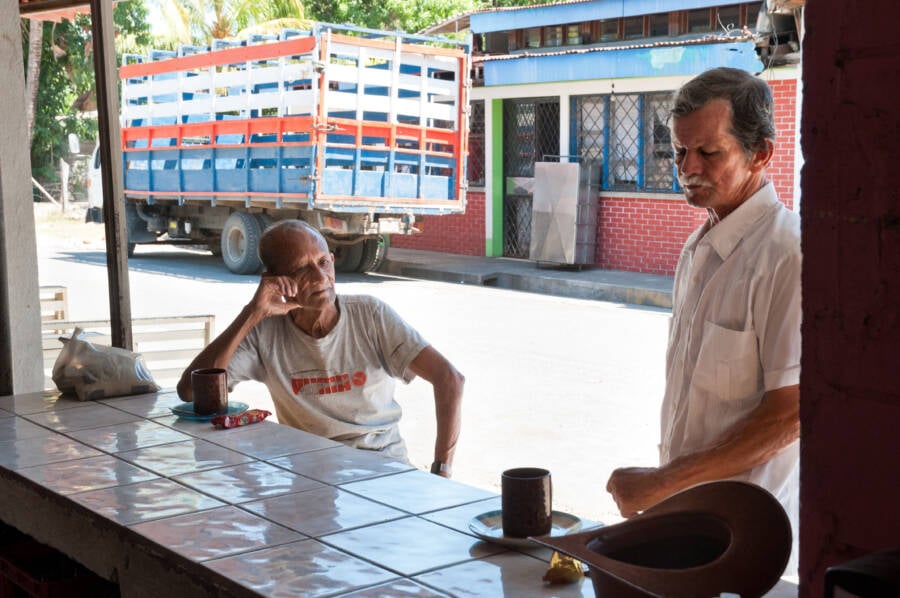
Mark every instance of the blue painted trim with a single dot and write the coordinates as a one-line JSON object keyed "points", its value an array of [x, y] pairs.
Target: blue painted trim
{"points": [[606, 136], [632, 62], [561, 14]]}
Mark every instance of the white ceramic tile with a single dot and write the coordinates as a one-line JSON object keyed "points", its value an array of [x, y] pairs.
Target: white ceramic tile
{"points": [[507, 574], [19, 428], [248, 481], [40, 450], [215, 533], [267, 440], [341, 464], [305, 568], [417, 491], [145, 501], [403, 588], [92, 415], [199, 429], [149, 405], [80, 475], [458, 518], [411, 545], [183, 457], [35, 402], [322, 511], [128, 436]]}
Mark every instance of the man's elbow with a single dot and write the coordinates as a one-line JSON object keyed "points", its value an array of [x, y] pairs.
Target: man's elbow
{"points": [[452, 381]]}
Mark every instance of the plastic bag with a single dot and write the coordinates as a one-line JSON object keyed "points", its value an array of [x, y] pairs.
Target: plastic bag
{"points": [[92, 371]]}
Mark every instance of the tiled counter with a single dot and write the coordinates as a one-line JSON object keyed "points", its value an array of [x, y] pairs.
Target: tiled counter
{"points": [[169, 507]]}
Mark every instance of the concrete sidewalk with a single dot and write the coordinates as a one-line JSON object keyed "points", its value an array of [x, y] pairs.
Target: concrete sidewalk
{"points": [[526, 275]]}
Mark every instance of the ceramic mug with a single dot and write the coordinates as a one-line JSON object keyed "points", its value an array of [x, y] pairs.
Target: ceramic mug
{"points": [[210, 391], [526, 495]]}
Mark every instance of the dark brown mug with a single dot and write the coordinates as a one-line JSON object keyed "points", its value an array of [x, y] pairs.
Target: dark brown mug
{"points": [[527, 502], [210, 391]]}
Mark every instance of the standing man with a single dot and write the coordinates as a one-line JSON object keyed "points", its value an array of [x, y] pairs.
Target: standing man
{"points": [[329, 361], [732, 399]]}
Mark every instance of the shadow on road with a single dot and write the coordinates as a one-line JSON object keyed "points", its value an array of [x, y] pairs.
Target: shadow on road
{"points": [[191, 264]]}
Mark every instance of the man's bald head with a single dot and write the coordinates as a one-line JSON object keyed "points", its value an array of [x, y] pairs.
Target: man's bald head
{"points": [[281, 236]]}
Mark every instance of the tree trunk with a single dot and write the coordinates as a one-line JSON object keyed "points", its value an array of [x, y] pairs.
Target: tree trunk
{"points": [[33, 74]]}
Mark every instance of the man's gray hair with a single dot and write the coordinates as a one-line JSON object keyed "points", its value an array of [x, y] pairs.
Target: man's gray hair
{"points": [[752, 106]]}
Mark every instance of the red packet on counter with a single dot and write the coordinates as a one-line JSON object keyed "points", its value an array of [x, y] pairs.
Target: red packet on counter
{"points": [[242, 419]]}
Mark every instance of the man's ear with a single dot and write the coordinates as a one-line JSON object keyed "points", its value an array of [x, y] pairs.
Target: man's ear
{"points": [[763, 156]]}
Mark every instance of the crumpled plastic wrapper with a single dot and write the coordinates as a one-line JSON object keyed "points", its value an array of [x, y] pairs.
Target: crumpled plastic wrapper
{"points": [[563, 569], [91, 371], [223, 422]]}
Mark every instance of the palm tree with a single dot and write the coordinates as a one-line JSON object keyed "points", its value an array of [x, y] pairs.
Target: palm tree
{"points": [[200, 21]]}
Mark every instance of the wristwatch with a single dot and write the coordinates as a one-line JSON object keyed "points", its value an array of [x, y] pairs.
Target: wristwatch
{"points": [[441, 467]]}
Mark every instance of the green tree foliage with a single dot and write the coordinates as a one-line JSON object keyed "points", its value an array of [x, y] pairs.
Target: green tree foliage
{"points": [[66, 83], [401, 15]]}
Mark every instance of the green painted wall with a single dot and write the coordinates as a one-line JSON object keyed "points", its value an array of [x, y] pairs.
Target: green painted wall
{"points": [[494, 200]]}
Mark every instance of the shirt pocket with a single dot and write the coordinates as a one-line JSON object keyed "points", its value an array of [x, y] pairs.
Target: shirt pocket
{"points": [[728, 363]]}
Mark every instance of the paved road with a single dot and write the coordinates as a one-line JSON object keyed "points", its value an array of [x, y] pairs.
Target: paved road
{"points": [[567, 384]]}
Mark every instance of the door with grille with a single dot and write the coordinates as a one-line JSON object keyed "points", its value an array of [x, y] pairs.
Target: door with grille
{"points": [[530, 133]]}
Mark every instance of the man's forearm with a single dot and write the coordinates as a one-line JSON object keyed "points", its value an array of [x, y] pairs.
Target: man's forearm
{"points": [[755, 440], [448, 412], [218, 353]]}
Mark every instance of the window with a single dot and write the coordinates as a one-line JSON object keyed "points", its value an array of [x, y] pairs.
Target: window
{"points": [[634, 27], [533, 37], [752, 14], [573, 35], [728, 17], [475, 165], [698, 20], [627, 135], [553, 35], [609, 30], [659, 25]]}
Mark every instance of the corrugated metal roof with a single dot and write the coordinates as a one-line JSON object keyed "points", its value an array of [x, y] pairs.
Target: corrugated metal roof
{"points": [[707, 39]]}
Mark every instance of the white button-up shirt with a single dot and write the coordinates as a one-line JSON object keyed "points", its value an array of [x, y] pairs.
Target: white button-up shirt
{"points": [[735, 332]]}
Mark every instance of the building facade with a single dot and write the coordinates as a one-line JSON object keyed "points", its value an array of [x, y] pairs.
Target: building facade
{"points": [[591, 81]]}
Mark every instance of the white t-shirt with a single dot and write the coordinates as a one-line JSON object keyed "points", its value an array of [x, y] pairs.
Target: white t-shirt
{"points": [[735, 333], [340, 386]]}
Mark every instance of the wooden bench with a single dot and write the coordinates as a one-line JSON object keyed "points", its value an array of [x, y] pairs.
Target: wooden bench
{"points": [[168, 344], [54, 303]]}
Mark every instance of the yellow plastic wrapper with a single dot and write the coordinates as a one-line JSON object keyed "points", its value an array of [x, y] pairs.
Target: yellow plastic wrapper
{"points": [[563, 569]]}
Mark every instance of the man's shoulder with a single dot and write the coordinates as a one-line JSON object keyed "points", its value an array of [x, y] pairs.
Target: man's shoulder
{"points": [[360, 301]]}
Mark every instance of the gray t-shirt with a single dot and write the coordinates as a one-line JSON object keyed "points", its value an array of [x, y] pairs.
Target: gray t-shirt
{"points": [[340, 386]]}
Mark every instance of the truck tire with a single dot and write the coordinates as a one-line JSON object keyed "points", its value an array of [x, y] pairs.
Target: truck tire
{"points": [[374, 251], [347, 258], [240, 243]]}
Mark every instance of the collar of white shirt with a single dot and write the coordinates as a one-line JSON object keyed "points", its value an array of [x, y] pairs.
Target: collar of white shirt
{"points": [[726, 235]]}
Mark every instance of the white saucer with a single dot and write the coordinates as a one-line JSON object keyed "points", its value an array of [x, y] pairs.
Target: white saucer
{"points": [[489, 526]]}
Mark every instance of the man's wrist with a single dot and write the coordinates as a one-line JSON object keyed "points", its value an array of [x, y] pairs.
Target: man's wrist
{"points": [[441, 468]]}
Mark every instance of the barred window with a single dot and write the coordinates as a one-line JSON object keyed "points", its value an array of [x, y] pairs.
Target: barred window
{"points": [[627, 136], [475, 167]]}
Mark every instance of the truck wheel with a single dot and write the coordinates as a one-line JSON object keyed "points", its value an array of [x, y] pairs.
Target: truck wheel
{"points": [[347, 257], [240, 243], [374, 251]]}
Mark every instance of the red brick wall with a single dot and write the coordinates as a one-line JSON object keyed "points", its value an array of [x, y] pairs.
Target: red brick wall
{"points": [[634, 233], [457, 233], [781, 168], [643, 235]]}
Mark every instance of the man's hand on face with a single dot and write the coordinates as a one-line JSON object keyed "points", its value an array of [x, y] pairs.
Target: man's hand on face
{"points": [[276, 295]]}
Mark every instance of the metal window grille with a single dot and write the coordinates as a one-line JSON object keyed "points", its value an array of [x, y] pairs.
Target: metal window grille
{"points": [[659, 157], [530, 132], [627, 135], [475, 168]]}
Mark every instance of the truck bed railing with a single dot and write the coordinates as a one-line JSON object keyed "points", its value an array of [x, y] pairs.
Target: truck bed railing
{"points": [[319, 120]]}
